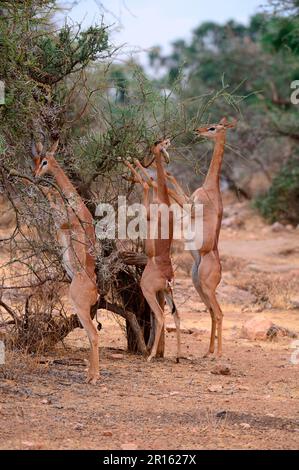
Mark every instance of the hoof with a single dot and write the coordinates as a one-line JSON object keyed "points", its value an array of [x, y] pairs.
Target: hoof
{"points": [[92, 379], [149, 358], [177, 360], [207, 354]]}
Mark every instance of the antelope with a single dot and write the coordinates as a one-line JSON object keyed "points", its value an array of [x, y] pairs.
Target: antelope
{"points": [[76, 236], [206, 270], [158, 273]]}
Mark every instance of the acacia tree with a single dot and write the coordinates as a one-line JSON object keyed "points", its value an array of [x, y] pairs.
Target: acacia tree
{"points": [[37, 64]]}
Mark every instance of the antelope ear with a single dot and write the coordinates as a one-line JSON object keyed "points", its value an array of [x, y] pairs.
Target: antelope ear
{"points": [[231, 125], [54, 147], [39, 147], [36, 149], [224, 121]]}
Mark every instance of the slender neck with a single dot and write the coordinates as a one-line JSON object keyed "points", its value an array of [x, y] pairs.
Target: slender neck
{"points": [[63, 181], [162, 191], [213, 176], [163, 245]]}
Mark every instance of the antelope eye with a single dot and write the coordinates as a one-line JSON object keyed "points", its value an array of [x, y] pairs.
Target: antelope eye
{"points": [[212, 129], [44, 163]]}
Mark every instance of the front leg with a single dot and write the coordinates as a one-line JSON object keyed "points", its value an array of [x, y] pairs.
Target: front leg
{"points": [[83, 295]]}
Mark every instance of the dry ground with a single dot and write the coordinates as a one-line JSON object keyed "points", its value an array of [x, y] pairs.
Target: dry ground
{"points": [[45, 404]]}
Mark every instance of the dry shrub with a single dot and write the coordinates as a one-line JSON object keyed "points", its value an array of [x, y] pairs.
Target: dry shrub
{"points": [[269, 288], [232, 264], [18, 363], [39, 324], [183, 263]]}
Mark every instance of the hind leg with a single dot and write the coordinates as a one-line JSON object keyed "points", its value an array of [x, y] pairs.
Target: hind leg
{"points": [[209, 278], [152, 282], [206, 277], [150, 286], [152, 333], [151, 299], [197, 284], [161, 344], [83, 295], [177, 321]]}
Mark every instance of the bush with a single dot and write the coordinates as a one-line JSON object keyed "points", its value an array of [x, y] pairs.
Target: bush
{"points": [[281, 203]]}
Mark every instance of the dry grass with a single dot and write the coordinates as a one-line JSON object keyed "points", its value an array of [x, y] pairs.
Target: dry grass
{"points": [[17, 363], [270, 289]]}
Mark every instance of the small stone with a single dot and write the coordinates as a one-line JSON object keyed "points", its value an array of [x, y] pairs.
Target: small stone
{"points": [[256, 328], [221, 370], [215, 388], [243, 388], [257, 309], [79, 426], [294, 302], [117, 356], [129, 446], [245, 309], [198, 333], [277, 227], [32, 445], [173, 394], [172, 329], [107, 433], [46, 401], [245, 425]]}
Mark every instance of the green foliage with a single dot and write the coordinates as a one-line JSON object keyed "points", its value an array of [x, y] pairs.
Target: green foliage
{"points": [[258, 62], [2, 145], [281, 203], [282, 33], [57, 56], [37, 63], [133, 114]]}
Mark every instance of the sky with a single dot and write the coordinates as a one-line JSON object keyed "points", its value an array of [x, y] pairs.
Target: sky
{"points": [[142, 24]]}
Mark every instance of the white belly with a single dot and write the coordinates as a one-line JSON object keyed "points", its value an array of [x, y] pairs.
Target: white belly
{"points": [[64, 241]]}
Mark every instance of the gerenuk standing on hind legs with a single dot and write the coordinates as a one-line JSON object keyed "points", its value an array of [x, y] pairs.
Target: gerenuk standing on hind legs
{"points": [[206, 271], [158, 273]]}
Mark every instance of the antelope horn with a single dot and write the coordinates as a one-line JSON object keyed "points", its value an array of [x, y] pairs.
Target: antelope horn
{"points": [[165, 155], [37, 148], [33, 149]]}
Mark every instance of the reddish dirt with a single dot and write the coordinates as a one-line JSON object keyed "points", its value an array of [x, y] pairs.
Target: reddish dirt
{"points": [[45, 403]]}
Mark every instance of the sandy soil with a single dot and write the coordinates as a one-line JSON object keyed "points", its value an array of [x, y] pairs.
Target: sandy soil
{"points": [[45, 403]]}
